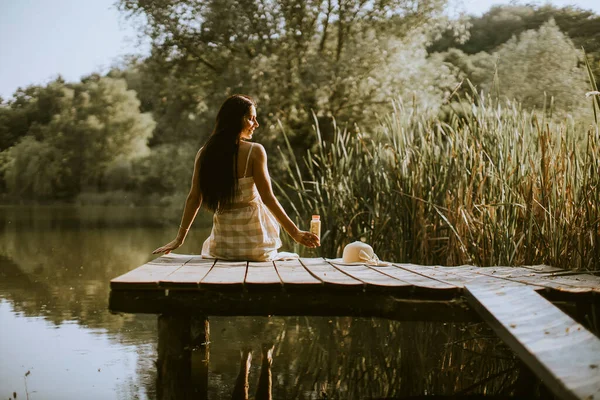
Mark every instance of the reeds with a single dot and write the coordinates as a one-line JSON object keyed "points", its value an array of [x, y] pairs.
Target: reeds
{"points": [[491, 184]]}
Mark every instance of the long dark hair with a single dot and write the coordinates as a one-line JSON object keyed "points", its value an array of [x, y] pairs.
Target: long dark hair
{"points": [[218, 160]]}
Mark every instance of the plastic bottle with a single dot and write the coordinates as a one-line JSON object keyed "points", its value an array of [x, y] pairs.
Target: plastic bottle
{"points": [[315, 225]]}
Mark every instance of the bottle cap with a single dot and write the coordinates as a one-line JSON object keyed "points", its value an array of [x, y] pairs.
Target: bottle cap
{"points": [[316, 217]]}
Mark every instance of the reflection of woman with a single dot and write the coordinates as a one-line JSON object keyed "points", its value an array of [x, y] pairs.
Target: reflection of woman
{"points": [[231, 179]]}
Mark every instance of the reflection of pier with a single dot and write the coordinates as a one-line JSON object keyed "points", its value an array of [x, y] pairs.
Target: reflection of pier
{"points": [[560, 351]]}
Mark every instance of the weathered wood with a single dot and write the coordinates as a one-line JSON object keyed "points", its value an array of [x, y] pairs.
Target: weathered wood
{"points": [[442, 274], [548, 341], [262, 275], [561, 352], [293, 274], [226, 274], [294, 303], [176, 272], [371, 278], [469, 274], [189, 275], [413, 277], [150, 274], [542, 268], [330, 276], [577, 280], [527, 277]]}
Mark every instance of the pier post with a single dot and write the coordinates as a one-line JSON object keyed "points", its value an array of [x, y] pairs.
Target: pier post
{"points": [[182, 364]]}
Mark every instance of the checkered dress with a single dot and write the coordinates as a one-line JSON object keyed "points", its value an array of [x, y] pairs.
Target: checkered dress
{"points": [[248, 231]]}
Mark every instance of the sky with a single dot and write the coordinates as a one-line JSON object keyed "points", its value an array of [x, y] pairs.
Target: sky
{"points": [[40, 39]]}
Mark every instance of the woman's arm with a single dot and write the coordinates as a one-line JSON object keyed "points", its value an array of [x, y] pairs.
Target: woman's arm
{"points": [[192, 205], [263, 184]]}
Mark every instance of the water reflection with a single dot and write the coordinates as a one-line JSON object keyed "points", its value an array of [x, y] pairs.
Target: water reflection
{"points": [[55, 268]]}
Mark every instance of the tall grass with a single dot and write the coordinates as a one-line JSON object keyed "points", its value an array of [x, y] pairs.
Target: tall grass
{"points": [[491, 184]]}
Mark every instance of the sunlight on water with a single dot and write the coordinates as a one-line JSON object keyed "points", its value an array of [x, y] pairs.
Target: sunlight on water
{"points": [[56, 264], [64, 361]]}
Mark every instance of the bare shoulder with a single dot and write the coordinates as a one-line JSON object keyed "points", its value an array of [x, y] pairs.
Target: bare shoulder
{"points": [[259, 151]]}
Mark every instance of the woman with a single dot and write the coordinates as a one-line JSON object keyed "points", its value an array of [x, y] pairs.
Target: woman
{"points": [[231, 179]]}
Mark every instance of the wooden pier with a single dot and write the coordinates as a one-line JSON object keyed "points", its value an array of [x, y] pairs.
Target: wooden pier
{"points": [[524, 305]]}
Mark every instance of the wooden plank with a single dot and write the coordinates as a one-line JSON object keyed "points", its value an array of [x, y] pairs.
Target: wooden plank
{"points": [[468, 273], [299, 302], [321, 269], [293, 274], [507, 272], [262, 274], [444, 274], [414, 278], [226, 274], [148, 275], [561, 352], [542, 268], [372, 278], [580, 280], [577, 280], [189, 275], [525, 276]]}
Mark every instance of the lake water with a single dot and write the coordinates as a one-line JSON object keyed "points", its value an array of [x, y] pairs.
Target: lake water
{"points": [[59, 341]]}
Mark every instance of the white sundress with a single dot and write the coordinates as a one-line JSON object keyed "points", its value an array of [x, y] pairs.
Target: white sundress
{"points": [[248, 231]]}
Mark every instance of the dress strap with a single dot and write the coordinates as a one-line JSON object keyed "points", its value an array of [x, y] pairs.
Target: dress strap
{"points": [[248, 159]]}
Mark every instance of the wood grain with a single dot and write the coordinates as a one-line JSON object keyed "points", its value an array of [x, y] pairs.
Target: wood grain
{"points": [[560, 351], [228, 274], [262, 274], [150, 274], [189, 275], [373, 279], [293, 274]]}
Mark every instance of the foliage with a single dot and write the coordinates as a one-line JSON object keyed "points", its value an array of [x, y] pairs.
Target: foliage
{"points": [[68, 147], [478, 68], [494, 188], [33, 169], [32, 106], [167, 169], [293, 56], [540, 69], [171, 97], [501, 23], [542, 62]]}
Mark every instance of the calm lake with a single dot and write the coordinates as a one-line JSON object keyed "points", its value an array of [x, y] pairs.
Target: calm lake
{"points": [[59, 341]]}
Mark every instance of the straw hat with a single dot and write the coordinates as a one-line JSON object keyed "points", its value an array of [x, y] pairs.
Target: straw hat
{"points": [[359, 252]]}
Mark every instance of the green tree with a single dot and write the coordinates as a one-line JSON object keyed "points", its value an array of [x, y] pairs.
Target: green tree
{"points": [[478, 68], [501, 23], [32, 106], [67, 149], [294, 56], [173, 98], [33, 170], [542, 62]]}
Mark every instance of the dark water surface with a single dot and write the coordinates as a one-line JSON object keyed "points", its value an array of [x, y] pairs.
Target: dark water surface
{"points": [[58, 340]]}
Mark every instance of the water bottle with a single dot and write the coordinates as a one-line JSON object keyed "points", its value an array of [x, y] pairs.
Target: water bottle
{"points": [[315, 225]]}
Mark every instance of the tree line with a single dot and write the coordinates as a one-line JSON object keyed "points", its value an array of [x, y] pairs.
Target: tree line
{"points": [[348, 63]]}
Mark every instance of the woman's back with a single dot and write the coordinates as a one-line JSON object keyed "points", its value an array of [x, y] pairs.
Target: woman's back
{"points": [[244, 160], [231, 179], [246, 189]]}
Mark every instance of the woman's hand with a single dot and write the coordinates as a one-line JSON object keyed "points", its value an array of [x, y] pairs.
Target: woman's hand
{"points": [[167, 248], [306, 238]]}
